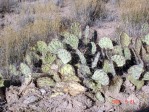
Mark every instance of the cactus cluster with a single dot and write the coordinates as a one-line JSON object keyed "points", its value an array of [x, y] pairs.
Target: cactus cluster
{"points": [[77, 58]]}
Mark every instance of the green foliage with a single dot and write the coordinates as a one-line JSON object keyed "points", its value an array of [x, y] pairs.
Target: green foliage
{"points": [[72, 40], [125, 40], [64, 55], [81, 56], [106, 43], [49, 58], [94, 63], [25, 69], [42, 47], [135, 71], [86, 38], [76, 29], [127, 53], [54, 46], [13, 70], [146, 39], [119, 60], [101, 77], [94, 48], [45, 82]]}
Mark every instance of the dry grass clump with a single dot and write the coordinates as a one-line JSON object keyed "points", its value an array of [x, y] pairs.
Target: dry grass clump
{"points": [[134, 13], [89, 10]]}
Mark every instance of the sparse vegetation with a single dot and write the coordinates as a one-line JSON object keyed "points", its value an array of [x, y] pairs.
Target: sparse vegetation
{"points": [[57, 46]]}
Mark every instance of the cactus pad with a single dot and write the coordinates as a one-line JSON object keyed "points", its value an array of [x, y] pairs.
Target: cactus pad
{"points": [[94, 48], [81, 56], [45, 68], [127, 53], [105, 43], [86, 38], [45, 82], [76, 29], [25, 69], [42, 47], [125, 40], [49, 58], [54, 46], [72, 40], [100, 77], [64, 55], [99, 97], [146, 39], [146, 76], [135, 71], [119, 60], [118, 50], [95, 62]]}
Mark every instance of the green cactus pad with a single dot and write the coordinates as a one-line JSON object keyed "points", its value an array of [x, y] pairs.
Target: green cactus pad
{"points": [[146, 76], [138, 45], [119, 60], [1, 81], [67, 70], [54, 46], [81, 56], [68, 73], [45, 82], [99, 97], [28, 59], [146, 39], [135, 71], [84, 69], [108, 67], [13, 70], [138, 83], [100, 77], [76, 29], [86, 38], [45, 68], [72, 40], [25, 69], [64, 55], [95, 62], [42, 47], [94, 48], [127, 53], [49, 58], [125, 40], [105, 43], [117, 50]]}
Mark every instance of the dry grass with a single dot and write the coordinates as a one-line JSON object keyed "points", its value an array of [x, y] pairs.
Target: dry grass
{"points": [[89, 10], [134, 13]]}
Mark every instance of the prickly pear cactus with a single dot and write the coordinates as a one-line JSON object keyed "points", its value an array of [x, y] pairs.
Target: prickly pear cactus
{"points": [[68, 73], [76, 29], [45, 68], [1, 80], [117, 50], [13, 70], [64, 55], [28, 59], [127, 53], [86, 39], [136, 82], [72, 40], [67, 70], [125, 40], [138, 45], [94, 48], [54, 46], [25, 69], [119, 60], [95, 62], [101, 77], [85, 70], [81, 56], [49, 58], [106, 43], [45, 82], [146, 39], [146, 76], [108, 67], [135, 71], [42, 47], [99, 97]]}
